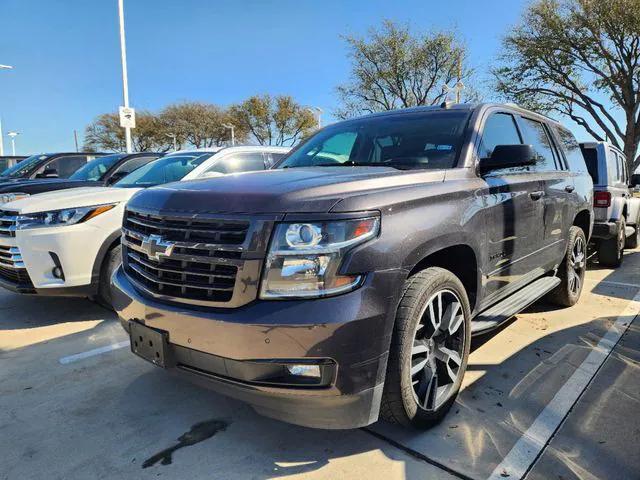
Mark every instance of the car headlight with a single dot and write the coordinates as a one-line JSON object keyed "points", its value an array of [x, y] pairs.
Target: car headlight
{"points": [[10, 197], [67, 216], [304, 257]]}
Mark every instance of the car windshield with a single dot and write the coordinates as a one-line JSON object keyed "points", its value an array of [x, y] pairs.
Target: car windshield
{"points": [[95, 169], [167, 169], [424, 140], [22, 168]]}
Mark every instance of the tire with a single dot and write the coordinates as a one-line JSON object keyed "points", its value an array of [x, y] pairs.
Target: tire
{"points": [[416, 341], [112, 261], [572, 270], [611, 252], [632, 241]]}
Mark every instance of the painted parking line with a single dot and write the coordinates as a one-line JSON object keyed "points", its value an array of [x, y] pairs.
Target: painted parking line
{"points": [[614, 284], [527, 449], [92, 353]]}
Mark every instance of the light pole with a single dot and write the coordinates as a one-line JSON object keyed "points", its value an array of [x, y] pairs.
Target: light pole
{"points": [[319, 112], [175, 142], [13, 136], [125, 81], [3, 67], [233, 132]]}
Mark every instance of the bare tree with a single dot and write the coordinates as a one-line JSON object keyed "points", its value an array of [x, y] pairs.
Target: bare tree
{"points": [[581, 59], [393, 68], [271, 120]]}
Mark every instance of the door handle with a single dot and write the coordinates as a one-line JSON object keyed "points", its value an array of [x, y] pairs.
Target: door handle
{"points": [[536, 195], [569, 188]]}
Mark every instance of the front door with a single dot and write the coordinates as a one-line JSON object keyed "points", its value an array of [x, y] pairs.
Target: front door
{"points": [[513, 203]]}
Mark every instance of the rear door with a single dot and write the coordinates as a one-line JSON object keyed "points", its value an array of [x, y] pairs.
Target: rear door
{"points": [[513, 212], [558, 201]]}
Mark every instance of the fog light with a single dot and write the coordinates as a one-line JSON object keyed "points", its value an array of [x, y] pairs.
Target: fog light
{"points": [[57, 272], [308, 371]]}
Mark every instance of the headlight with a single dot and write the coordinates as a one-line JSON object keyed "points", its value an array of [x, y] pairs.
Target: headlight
{"points": [[304, 258], [67, 216], [10, 197]]}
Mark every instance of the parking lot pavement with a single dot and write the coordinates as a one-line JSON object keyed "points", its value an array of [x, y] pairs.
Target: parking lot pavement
{"points": [[75, 403]]}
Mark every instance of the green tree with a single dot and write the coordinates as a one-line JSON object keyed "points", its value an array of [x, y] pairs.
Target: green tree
{"points": [[199, 124], [580, 59], [105, 134], [278, 120], [393, 68]]}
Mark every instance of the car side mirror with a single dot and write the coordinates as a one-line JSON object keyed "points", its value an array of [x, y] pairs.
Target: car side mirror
{"points": [[48, 173], [116, 177], [508, 156]]}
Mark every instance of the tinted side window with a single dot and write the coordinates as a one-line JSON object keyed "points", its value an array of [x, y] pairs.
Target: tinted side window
{"points": [[66, 166], [572, 152], [239, 162], [591, 159], [536, 135], [133, 164], [273, 158], [499, 129]]}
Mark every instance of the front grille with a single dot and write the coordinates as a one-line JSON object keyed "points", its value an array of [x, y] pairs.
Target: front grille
{"points": [[8, 221], [206, 263], [12, 268]]}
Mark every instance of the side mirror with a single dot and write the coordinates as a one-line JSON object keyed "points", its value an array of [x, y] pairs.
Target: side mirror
{"points": [[508, 156], [49, 172], [116, 177]]}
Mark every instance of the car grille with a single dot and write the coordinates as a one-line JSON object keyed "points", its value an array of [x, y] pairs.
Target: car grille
{"points": [[8, 221], [12, 267], [204, 264]]}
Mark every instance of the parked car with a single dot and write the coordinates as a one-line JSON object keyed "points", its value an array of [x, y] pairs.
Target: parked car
{"points": [[9, 161], [347, 281], [68, 242], [617, 212], [47, 165], [101, 171]]}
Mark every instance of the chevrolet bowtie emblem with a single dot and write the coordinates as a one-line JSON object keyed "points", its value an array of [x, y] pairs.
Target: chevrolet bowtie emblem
{"points": [[154, 246]]}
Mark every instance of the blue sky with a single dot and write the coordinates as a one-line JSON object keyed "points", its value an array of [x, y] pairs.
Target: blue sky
{"points": [[67, 59]]}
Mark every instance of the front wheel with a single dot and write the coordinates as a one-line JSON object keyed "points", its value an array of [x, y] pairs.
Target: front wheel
{"points": [[429, 350], [110, 264]]}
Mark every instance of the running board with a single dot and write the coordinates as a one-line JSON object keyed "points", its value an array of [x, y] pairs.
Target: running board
{"points": [[513, 304]]}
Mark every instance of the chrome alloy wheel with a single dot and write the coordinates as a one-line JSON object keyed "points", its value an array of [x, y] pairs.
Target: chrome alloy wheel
{"points": [[438, 346], [577, 262]]}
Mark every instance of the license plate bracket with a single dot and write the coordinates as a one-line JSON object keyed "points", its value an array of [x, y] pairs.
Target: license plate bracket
{"points": [[150, 344]]}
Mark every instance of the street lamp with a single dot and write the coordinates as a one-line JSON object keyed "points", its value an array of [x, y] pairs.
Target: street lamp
{"points": [[3, 67], [125, 81], [13, 136], [319, 111], [228, 126], [175, 141]]}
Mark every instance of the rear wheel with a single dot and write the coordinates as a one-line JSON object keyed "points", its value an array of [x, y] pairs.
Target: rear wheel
{"points": [[572, 269], [611, 252], [632, 241], [110, 264], [429, 351]]}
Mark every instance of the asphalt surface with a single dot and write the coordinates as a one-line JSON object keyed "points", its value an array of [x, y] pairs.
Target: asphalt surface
{"points": [[554, 394]]}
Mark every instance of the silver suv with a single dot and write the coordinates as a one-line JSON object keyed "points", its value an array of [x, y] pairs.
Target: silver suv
{"points": [[616, 210]]}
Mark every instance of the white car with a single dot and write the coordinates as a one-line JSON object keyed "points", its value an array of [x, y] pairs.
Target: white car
{"points": [[67, 242]]}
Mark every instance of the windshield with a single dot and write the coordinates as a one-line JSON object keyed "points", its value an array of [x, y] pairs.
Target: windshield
{"points": [[95, 169], [168, 169], [425, 140], [24, 167]]}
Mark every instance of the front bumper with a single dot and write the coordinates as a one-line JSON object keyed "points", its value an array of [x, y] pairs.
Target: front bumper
{"points": [[73, 248], [211, 345]]}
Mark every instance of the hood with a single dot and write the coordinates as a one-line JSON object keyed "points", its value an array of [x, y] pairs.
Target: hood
{"points": [[299, 190], [71, 198], [25, 185]]}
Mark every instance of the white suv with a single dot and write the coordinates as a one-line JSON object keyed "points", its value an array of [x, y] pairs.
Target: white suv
{"points": [[68, 242]]}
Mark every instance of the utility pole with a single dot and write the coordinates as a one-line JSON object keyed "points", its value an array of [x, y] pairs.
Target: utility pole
{"points": [[75, 137], [233, 132], [13, 136], [3, 67], [175, 142], [125, 81]]}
